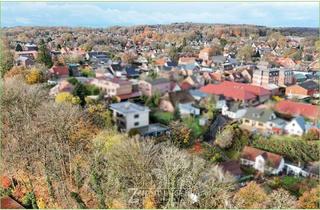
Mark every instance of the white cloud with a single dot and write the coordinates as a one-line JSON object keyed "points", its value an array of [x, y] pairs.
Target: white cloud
{"points": [[106, 14]]}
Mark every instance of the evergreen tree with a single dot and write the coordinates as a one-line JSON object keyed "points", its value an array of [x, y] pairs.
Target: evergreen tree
{"points": [[19, 48], [44, 55]]}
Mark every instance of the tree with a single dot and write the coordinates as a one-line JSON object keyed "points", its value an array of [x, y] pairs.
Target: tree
{"points": [[33, 76], [19, 48], [250, 196], [44, 56], [180, 135], [81, 91], [312, 134], [245, 53], [100, 115], [224, 139], [6, 57], [310, 199], [174, 54], [209, 104], [281, 199], [66, 97]]}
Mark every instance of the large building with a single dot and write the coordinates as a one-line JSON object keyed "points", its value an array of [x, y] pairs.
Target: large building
{"points": [[265, 76], [245, 93], [129, 115]]}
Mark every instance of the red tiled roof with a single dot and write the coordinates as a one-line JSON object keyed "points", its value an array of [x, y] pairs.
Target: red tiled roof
{"points": [[251, 153], [234, 90], [130, 95], [295, 109], [59, 70], [185, 86], [8, 203]]}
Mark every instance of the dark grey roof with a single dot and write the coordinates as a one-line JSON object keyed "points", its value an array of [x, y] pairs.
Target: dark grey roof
{"points": [[309, 85], [261, 115], [158, 81], [182, 96], [152, 128]]}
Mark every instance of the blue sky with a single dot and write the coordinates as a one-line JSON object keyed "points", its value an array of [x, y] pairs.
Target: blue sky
{"points": [[105, 14]]}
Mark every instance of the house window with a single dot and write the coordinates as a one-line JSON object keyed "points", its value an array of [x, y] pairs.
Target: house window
{"points": [[136, 116], [136, 123], [247, 121], [260, 124]]}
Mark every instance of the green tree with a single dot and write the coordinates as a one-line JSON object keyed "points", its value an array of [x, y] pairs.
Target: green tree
{"points": [[6, 57], [44, 56], [81, 91], [19, 48]]}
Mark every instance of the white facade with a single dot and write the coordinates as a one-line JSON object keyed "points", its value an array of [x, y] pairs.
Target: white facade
{"points": [[129, 115], [188, 109], [233, 115], [294, 128], [260, 164]]}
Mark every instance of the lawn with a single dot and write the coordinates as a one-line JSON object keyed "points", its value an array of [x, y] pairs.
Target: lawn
{"points": [[162, 117]]}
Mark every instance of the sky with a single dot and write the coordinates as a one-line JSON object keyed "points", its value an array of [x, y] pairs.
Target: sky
{"points": [[106, 14]]}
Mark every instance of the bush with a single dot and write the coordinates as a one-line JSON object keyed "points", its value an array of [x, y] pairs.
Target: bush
{"points": [[73, 80], [292, 149], [133, 132], [87, 72], [33, 76], [312, 134]]}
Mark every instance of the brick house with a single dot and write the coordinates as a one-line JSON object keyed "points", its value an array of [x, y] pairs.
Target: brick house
{"points": [[307, 88]]}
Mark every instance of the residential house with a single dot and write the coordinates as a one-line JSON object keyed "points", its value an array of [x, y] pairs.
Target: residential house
{"points": [[113, 87], [302, 90], [29, 54], [129, 115], [24, 61], [262, 161], [232, 167], [62, 86], [187, 60], [291, 108], [263, 121], [206, 53], [117, 70], [31, 47], [233, 111], [132, 72], [245, 93], [296, 126], [286, 77], [171, 101], [197, 94], [9, 203], [148, 87], [154, 130], [59, 71], [264, 77]]}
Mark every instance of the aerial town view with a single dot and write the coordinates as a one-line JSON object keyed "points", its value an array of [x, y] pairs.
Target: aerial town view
{"points": [[160, 105]]}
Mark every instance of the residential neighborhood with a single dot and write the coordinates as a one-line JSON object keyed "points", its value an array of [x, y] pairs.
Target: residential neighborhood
{"points": [[90, 114]]}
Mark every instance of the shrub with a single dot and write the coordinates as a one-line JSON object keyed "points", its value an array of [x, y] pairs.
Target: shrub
{"points": [[86, 72], [33, 76], [292, 149]]}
